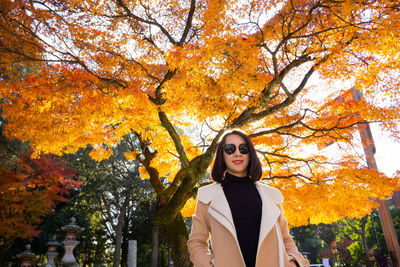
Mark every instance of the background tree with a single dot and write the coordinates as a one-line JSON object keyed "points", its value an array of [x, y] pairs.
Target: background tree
{"points": [[29, 190], [344, 241], [343, 252], [308, 241], [150, 68], [112, 194], [103, 183], [355, 230]]}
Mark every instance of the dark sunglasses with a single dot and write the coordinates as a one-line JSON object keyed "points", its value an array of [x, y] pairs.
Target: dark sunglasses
{"points": [[231, 148]]}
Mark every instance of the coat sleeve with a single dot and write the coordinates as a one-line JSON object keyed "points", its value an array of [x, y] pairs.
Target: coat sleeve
{"points": [[290, 246], [197, 244]]}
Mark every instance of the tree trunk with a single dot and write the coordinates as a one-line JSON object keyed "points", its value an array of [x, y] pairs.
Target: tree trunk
{"points": [[375, 233], [4, 251], [118, 242], [331, 257], [154, 250], [364, 238], [125, 242], [176, 236], [118, 234], [100, 243]]}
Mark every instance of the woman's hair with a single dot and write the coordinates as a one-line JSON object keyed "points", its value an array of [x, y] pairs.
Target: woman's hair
{"points": [[254, 170]]}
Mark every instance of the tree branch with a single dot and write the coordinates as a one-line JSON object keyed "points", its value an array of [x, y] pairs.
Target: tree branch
{"points": [[175, 138], [148, 155], [181, 188], [188, 22], [248, 116], [150, 22]]}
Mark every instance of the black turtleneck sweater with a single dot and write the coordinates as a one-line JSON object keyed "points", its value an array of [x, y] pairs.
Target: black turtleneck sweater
{"points": [[246, 207]]}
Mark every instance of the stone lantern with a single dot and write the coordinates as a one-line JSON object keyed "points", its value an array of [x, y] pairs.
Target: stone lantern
{"points": [[52, 251], [26, 257], [71, 232]]}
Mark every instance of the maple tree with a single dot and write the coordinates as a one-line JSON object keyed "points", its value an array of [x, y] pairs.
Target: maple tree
{"points": [[29, 189], [30, 192], [178, 74]]}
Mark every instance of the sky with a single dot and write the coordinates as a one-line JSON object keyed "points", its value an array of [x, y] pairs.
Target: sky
{"points": [[387, 152]]}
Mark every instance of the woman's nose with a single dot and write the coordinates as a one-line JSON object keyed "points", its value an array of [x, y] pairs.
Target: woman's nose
{"points": [[237, 152]]}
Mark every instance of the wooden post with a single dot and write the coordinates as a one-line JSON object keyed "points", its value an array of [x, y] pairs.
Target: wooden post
{"points": [[383, 210]]}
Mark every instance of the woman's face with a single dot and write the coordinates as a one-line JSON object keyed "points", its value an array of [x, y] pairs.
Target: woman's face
{"points": [[237, 162]]}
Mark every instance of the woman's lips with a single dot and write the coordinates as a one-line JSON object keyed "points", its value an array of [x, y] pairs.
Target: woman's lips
{"points": [[237, 162]]}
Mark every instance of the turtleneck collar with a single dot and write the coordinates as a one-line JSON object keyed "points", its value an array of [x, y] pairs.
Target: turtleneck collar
{"points": [[235, 179]]}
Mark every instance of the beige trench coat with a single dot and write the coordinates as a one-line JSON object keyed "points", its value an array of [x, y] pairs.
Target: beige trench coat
{"points": [[213, 216]]}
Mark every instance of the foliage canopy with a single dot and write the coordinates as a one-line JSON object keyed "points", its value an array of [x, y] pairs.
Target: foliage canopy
{"points": [[152, 68]]}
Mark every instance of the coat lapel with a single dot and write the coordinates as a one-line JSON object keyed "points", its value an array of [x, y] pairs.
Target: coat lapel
{"points": [[220, 210], [270, 214]]}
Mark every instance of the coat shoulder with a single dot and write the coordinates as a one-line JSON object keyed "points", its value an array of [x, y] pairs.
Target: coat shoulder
{"points": [[206, 193], [272, 192]]}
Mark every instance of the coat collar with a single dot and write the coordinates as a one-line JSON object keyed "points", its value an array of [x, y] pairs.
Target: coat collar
{"points": [[270, 211], [219, 207]]}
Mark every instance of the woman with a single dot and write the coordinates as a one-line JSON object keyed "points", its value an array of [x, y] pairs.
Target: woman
{"points": [[243, 216]]}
